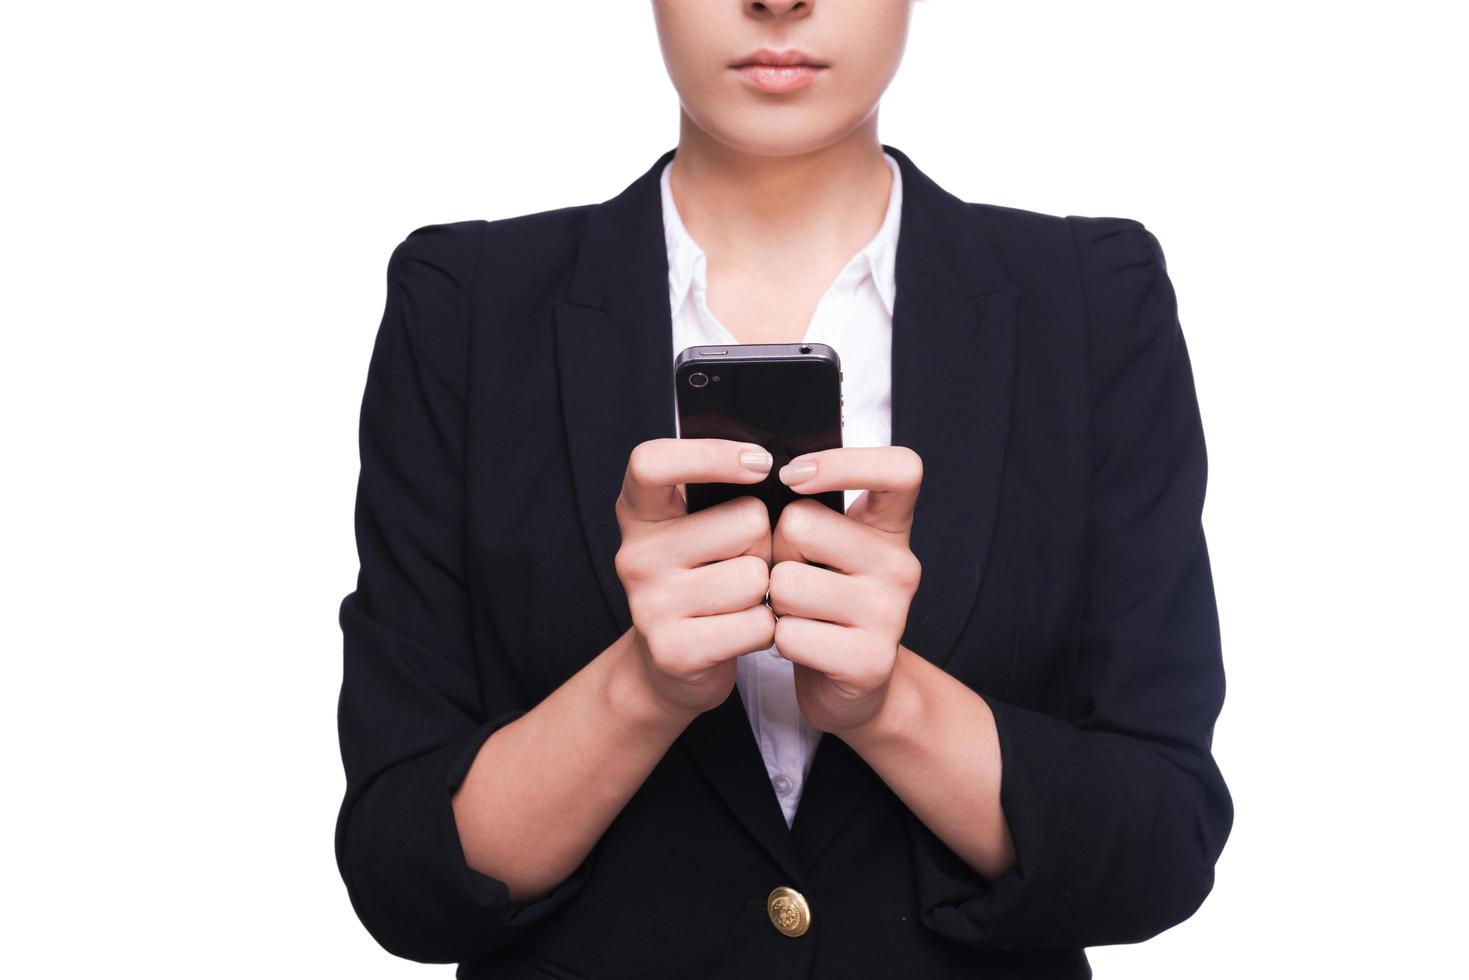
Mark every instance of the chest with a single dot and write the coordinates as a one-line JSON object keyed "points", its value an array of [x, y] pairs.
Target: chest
{"points": [[769, 306], [554, 390]]}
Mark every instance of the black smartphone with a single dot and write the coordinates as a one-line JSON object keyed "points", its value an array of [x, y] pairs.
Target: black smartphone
{"points": [[784, 397]]}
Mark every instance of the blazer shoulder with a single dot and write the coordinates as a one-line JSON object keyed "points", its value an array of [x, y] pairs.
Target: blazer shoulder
{"points": [[1111, 242], [1087, 247], [518, 256], [450, 281], [457, 246], [1011, 225], [532, 254], [450, 249]]}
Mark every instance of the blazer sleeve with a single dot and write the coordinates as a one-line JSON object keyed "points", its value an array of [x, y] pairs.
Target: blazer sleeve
{"points": [[416, 701], [1116, 808]]}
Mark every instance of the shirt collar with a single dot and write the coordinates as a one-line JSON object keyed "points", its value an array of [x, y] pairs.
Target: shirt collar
{"points": [[877, 258]]}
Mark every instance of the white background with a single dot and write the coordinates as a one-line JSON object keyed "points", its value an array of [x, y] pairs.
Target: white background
{"points": [[198, 207]]}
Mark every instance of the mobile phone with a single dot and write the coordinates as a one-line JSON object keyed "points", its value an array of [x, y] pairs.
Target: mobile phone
{"points": [[784, 397]]}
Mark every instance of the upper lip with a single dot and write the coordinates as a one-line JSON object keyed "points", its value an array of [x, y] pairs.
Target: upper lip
{"points": [[767, 57]]}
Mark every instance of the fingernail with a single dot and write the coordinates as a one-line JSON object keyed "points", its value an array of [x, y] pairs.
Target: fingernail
{"points": [[798, 471], [756, 459]]}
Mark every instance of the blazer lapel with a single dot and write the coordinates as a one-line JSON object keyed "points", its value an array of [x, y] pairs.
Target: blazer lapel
{"points": [[954, 344], [953, 356], [614, 355]]}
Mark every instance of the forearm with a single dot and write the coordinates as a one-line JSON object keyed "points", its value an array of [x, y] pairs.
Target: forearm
{"points": [[544, 788], [935, 744]]}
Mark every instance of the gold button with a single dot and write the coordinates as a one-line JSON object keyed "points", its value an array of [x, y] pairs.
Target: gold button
{"points": [[788, 911]]}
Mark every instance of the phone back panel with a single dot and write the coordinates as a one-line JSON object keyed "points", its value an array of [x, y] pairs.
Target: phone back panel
{"points": [[784, 397]]}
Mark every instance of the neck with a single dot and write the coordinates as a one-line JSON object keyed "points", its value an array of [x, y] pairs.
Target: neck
{"points": [[754, 209]]}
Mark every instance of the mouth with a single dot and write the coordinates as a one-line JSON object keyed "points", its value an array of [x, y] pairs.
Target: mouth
{"points": [[779, 71], [779, 59]]}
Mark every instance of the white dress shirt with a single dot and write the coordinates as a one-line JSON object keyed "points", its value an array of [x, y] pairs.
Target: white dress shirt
{"points": [[853, 316]]}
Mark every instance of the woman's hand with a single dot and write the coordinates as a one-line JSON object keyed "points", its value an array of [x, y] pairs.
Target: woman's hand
{"points": [[695, 583], [841, 625]]}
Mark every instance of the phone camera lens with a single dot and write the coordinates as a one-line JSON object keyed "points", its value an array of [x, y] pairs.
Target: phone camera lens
{"points": [[698, 379]]}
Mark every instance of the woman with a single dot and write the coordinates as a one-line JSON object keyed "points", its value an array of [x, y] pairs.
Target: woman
{"points": [[588, 734]]}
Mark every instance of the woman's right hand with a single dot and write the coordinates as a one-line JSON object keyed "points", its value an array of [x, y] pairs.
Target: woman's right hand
{"points": [[695, 583]]}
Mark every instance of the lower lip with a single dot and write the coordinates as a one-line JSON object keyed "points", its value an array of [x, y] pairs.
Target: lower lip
{"points": [[778, 78]]}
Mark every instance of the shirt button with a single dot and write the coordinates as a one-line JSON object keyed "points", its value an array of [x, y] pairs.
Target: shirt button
{"points": [[788, 911], [783, 784]]}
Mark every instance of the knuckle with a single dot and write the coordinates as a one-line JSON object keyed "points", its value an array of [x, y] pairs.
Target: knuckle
{"points": [[629, 562], [808, 506], [639, 461], [783, 577], [755, 517], [915, 571], [794, 520], [753, 575], [636, 463], [624, 564], [913, 466], [905, 569]]}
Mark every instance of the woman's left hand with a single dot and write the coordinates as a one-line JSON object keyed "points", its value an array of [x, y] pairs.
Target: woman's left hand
{"points": [[841, 625]]}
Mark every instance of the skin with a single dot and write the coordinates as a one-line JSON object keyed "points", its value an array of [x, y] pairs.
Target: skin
{"points": [[780, 190]]}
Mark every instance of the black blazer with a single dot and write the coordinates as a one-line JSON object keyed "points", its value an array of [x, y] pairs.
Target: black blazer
{"points": [[1040, 372]]}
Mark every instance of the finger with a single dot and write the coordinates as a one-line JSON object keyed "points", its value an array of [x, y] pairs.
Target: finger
{"points": [[811, 592], [656, 467], [810, 532], [721, 587], [824, 647], [891, 475], [712, 640], [740, 526]]}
